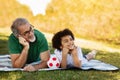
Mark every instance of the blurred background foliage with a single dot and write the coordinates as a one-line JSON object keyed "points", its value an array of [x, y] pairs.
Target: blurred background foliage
{"points": [[90, 19]]}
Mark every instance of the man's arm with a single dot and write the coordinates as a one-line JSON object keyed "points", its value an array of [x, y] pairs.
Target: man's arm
{"points": [[19, 60], [44, 58], [43, 64]]}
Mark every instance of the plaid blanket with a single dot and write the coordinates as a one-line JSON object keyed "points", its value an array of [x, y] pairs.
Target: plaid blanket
{"points": [[5, 65]]}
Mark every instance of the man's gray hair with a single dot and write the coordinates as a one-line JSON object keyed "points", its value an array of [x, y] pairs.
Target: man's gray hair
{"points": [[18, 22]]}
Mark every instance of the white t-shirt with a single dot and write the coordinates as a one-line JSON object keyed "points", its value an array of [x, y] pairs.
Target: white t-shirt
{"points": [[70, 62]]}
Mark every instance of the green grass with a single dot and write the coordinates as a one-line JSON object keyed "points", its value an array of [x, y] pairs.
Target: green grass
{"points": [[3, 44], [69, 74], [112, 58], [60, 75]]}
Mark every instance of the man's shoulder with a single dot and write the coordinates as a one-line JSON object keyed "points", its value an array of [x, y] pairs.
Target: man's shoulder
{"points": [[12, 36], [37, 32], [12, 39]]}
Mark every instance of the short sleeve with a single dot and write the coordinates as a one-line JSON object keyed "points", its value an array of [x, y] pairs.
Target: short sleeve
{"points": [[80, 54], [58, 54], [13, 45], [43, 44], [81, 58]]}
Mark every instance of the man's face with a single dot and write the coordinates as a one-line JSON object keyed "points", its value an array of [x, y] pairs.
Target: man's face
{"points": [[27, 32]]}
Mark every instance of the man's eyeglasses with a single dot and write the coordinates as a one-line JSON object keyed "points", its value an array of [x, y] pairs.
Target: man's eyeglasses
{"points": [[28, 32]]}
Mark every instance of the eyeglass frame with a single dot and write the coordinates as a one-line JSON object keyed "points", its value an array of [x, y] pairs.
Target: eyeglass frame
{"points": [[28, 32]]}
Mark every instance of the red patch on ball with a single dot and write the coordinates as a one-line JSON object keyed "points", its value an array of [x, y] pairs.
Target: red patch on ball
{"points": [[50, 64], [57, 64], [54, 59]]}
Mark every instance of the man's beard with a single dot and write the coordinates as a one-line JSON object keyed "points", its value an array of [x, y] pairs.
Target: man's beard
{"points": [[32, 39]]}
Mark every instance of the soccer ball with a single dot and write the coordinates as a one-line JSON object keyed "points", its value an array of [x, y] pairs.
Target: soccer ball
{"points": [[53, 62]]}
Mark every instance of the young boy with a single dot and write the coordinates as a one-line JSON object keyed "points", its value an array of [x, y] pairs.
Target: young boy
{"points": [[68, 54]]}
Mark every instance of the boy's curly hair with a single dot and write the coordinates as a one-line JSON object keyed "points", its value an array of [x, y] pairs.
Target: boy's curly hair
{"points": [[56, 40]]}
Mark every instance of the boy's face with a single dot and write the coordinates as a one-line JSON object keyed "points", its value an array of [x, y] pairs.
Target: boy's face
{"points": [[67, 42]]}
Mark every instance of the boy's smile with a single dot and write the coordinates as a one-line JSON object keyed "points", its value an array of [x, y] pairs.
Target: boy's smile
{"points": [[67, 42]]}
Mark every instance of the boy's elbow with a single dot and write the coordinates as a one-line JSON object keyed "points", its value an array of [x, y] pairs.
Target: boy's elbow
{"points": [[78, 65], [63, 66]]}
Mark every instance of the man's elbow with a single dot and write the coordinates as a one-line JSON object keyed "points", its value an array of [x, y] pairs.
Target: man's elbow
{"points": [[46, 66], [16, 66]]}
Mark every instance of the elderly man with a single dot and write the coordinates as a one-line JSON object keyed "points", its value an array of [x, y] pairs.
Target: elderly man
{"points": [[27, 45]]}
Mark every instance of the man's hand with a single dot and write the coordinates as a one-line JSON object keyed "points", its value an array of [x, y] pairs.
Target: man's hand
{"points": [[44, 56], [23, 41], [29, 68]]}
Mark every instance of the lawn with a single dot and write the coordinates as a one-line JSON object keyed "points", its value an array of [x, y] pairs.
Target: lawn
{"points": [[108, 57], [60, 75]]}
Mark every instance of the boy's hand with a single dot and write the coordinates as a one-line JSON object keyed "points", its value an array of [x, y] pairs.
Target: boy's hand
{"points": [[74, 51], [73, 46], [65, 51]]}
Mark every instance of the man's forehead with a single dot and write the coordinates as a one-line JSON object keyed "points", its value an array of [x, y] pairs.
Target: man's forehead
{"points": [[24, 27]]}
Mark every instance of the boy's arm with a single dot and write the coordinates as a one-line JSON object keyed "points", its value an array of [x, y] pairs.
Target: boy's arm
{"points": [[64, 57], [77, 62], [64, 61]]}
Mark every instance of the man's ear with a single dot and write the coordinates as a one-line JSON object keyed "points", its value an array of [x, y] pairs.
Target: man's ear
{"points": [[17, 35]]}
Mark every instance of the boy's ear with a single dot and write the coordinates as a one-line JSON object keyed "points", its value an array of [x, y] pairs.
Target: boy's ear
{"points": [[60, 47]]}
